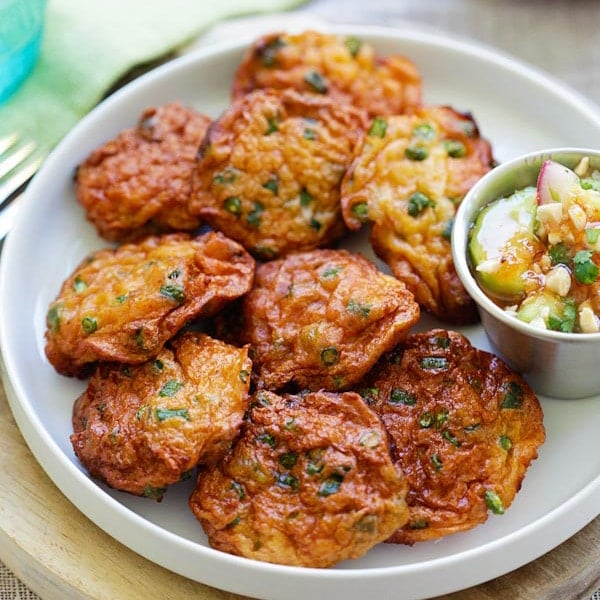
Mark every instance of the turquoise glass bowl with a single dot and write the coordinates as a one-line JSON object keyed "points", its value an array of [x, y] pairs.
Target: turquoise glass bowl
{"points": [[21, 27]]}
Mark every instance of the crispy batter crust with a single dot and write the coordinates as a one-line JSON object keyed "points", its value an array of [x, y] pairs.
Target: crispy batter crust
{"points": [[139, 182], [123, 304], [270, 169], [344, 68], [320, 319], [438, 154], [310, 483], [140, 428], [462, 424]]}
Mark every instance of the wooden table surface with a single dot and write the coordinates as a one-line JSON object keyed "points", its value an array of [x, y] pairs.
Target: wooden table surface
{"points": [[60, 554]]}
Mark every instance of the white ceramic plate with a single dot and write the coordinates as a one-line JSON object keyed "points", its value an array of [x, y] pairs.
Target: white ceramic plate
{"points": [[519, 110]]}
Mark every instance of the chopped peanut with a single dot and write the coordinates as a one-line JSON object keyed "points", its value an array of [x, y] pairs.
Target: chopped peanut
{"points": [[558, 280]]}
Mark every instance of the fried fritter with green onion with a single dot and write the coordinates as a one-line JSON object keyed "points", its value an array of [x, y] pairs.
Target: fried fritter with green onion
{"points": [[123, 304], [464, 430], [139, 182], [319, 320], [346, 69], [408, 177], [269, 171], [140, 428], [309, 483]]}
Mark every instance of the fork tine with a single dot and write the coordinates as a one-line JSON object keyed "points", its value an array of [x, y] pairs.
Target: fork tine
{"points": [[13, 183], [9, 163], [8, 142]]}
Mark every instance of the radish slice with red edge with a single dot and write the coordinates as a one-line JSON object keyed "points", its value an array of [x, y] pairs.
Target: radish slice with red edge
{"points": [[555, 181]]}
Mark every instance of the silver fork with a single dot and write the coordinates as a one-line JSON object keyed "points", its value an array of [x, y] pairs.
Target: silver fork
{"points": [[18, 164]]}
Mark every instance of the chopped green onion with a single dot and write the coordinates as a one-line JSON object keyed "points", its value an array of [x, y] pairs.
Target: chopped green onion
{"points": [[494, 502], [424, 131], [53, 318], [433, 362], [358, 309], [353, 44], [286, 480], [272, 185], [162, 414], [455, 148], [399, 396], [288, 459], [361, 211], [437, 463], [426, 420], [417, 153], [505, 442], [79, 285], [233, 205], [170, 388], [513, 395], [156, 493], [267, 438], [316, 81], [305, 197], [451, 438], [272, 126], [331, 272], [268, 52], [254, 216], [238, 488], [331, 485], [447, 233], [173, 292], [417, 203], [330, 356], [89, 324]]}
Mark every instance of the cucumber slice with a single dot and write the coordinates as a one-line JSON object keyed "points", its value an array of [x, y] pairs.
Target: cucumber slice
{"points": [[503, 245]]}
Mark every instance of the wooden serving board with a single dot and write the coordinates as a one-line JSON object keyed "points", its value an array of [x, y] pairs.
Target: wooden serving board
{"points": [[59, 553]]}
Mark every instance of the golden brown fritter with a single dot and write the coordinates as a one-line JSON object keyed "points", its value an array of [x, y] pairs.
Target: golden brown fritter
{"points": [[140, 181], [310, 483], [270, 169], [320, 319], [141, 428], [464, 430], [408, 177], [344, 68], [123, 304]]}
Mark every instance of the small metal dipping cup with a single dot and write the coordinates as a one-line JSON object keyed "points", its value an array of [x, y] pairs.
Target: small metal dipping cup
{"points": [[556, 364]]}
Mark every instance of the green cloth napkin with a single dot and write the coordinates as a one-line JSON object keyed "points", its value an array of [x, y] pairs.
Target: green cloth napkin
{"points": [[89, 45]]}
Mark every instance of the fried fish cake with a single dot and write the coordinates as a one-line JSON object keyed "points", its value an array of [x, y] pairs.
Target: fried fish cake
{"points": [[408, 177], [141, 428], [464, 430], [270, 169], [139, 182], [320, 319], [123, 304], [309, 483], [344, 68]]}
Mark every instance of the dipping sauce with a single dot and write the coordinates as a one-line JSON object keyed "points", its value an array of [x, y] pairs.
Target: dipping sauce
{"points": [[536, 253]]}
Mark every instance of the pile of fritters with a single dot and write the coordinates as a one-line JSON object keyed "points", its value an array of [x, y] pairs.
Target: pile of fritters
{"points": [[278, 364]]}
